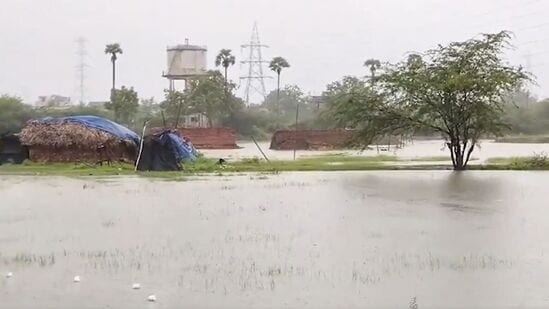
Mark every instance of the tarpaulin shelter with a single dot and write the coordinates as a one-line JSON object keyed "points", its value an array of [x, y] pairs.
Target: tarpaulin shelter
{"points": [[165, 151], [11, 150]]}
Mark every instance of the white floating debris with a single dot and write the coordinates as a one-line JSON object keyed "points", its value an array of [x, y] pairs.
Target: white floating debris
{"points": [[136, 286], [9, 275], [76, 279], [151, 298]]}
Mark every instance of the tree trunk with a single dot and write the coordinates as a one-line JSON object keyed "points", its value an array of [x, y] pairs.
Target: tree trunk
{"points": [[225, 79], [113, 74], [457, 156], [278, 90]]}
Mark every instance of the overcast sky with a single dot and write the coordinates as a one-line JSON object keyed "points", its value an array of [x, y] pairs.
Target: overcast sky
{"points": [[323, 40]]}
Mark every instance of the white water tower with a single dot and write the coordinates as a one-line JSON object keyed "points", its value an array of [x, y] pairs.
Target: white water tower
{"points": [[185, 62]]}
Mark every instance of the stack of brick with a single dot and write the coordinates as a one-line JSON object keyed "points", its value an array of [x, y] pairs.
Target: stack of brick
{"points": [[210, 138], [311, 139]]}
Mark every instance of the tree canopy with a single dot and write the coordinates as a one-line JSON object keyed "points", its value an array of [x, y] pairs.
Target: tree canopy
{"points": [[13, 114], [456, 90], [113, 49], [373, 65], [124, 103], [224, 58], [277, 64]]}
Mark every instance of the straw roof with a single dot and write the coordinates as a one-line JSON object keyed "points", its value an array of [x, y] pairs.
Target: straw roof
{"points": [[58, 135]]}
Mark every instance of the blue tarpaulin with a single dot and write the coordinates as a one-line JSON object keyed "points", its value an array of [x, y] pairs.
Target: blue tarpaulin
{"points": [[99, 124], [183, 151]]}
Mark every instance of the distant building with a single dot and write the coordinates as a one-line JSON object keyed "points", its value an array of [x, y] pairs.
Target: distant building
{"points": [[197, 120], [53, 101], [317, 101]]}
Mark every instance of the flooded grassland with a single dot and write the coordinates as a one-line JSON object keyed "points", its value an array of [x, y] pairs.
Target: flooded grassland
{"points": [[332, 240]]}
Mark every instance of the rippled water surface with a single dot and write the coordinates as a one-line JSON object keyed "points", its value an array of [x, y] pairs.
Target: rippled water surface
{"points": [[333, 240]]}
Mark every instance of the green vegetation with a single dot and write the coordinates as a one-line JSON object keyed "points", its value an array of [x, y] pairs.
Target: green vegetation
{"points": [[13, 114], [524, 139], [431, 159], [204, 166], [210, 166], [455, 90], [124, 104], [535, 162]]}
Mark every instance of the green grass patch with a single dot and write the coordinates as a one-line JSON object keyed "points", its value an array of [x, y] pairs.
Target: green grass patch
{"points": [[429, 159], [524, 139], [343, 157], [204, 166], [535, 162]]}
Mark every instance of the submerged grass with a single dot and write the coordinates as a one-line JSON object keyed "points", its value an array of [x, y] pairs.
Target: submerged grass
{"points": [[524, 139], [536, 162], [333, 162]]}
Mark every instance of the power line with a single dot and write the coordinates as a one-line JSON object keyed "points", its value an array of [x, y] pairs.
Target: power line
{"points": [[491, 12]]}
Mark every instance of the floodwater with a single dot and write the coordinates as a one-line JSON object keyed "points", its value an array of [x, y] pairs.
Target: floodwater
{"points": [[295, 240], [418, 149]]}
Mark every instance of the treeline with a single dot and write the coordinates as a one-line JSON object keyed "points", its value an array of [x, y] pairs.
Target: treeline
{"points": [[526, 114], [209, 96]]}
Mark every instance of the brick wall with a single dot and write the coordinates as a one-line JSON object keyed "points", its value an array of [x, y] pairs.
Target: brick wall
{"points": [[311, 139], [210, 138]]}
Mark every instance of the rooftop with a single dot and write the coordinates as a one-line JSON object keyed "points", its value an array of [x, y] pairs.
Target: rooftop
{"points": [[186, 47]]}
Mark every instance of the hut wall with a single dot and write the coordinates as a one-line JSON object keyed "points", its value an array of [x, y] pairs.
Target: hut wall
{"points": [[311, 139], [75, 154]]}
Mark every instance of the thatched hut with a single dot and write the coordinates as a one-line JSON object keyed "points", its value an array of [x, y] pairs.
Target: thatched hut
{"points": [[79, 139]]}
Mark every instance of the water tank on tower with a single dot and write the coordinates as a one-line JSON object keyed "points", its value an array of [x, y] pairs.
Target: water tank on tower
{"points": [[186, 61]]}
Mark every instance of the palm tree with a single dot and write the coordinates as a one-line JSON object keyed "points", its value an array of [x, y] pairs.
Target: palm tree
{"points": [[276, 65], [225, 59], [113, 50], [374, 65]]}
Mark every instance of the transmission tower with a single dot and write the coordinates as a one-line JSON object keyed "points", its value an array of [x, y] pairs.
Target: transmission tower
{"points": [[255, 79], [81, 67]]}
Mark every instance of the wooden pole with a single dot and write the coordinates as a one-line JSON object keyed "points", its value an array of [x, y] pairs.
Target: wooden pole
{"points": [[296, 120], [264, 156], [141, 145]]}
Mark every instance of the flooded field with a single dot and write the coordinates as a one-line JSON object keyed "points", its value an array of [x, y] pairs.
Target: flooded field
{"points": [[417, 149], [296, 240]]}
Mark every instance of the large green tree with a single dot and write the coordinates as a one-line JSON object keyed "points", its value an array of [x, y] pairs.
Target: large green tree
{"points": [[13, 114], [225, 59], [124, 103], [284, 102], [113, 50], [175, 105], [207, 95], [456, 90], [277, 65]]}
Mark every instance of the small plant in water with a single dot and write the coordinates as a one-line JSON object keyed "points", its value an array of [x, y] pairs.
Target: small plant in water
{"points": [[413, 303]]}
